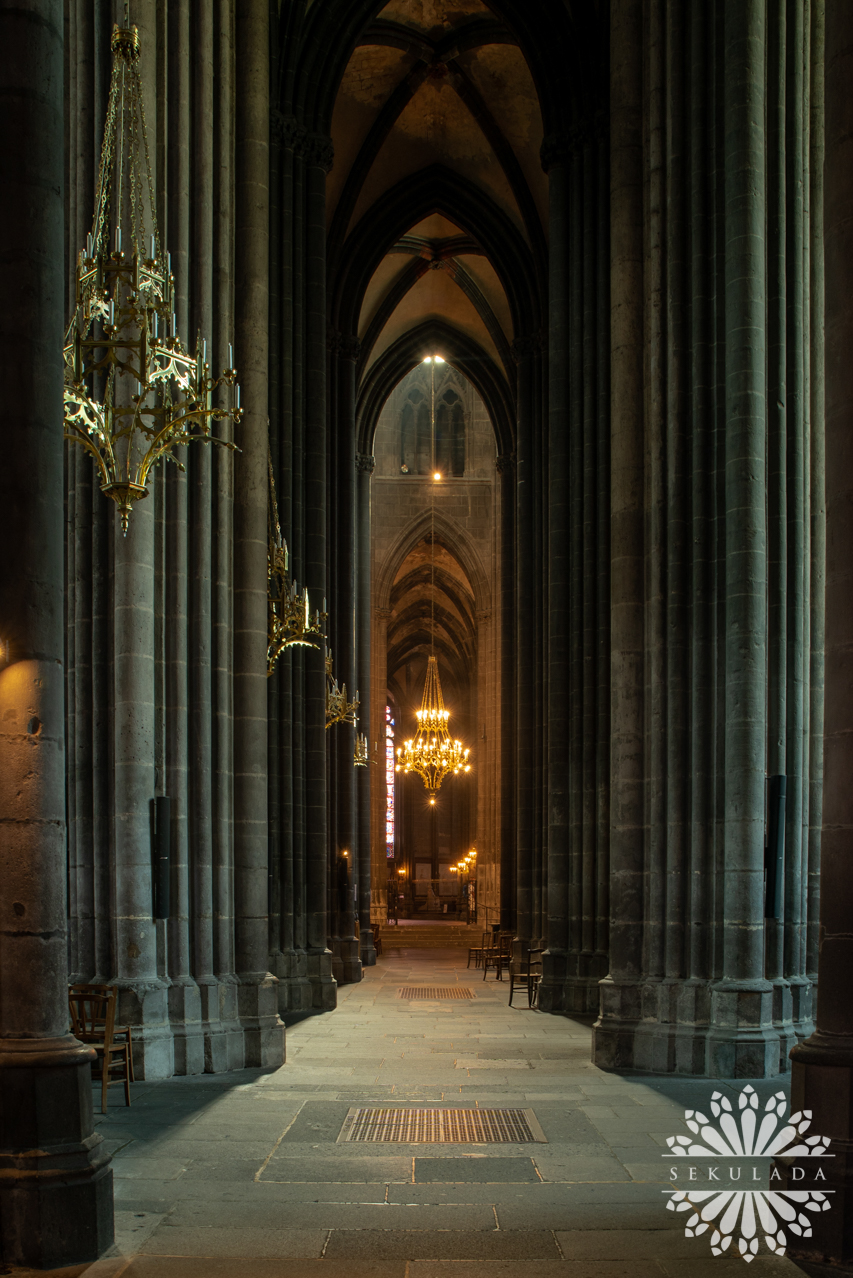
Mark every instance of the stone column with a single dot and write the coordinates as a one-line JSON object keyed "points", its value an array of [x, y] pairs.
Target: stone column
{"points": [[318, 160], [143, 993], [561, 545], [367, 724], [620, 990], [201, 538], [346, 647], [525, 742], [505, 466], [184, 1002], [55, 1182], [222, 689], [823, 1065], [258, 998], [742, 1042]]}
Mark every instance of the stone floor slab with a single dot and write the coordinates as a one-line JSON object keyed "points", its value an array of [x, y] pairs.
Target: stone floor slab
{"points": [[481, 1169], [210, 1267], [449, 1245], [241, 1176], [533, 1269], [241, 1244]]}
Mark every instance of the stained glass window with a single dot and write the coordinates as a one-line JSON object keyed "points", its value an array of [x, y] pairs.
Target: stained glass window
{"points": [[389, 783]]}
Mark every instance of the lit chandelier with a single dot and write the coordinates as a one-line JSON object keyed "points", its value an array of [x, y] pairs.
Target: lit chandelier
{"points": [[132, 391], [433, 754], [289, 622], [338, 709]]}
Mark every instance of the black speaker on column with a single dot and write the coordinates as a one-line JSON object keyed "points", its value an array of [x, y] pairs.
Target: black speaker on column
{"points": [[162, 855]]}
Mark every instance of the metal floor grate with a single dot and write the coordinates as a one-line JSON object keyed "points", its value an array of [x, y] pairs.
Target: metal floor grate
{"points": [[435, 992], [442, 1127]]}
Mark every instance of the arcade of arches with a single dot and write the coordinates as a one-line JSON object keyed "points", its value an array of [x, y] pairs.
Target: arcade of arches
{"points": [[624, 229]]}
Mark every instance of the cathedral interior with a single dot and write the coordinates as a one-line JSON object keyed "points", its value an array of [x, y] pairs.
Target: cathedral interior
{"points": [[445, 556]]}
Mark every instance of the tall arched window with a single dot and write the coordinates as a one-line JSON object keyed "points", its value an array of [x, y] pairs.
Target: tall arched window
{"points": [[450, 434]]}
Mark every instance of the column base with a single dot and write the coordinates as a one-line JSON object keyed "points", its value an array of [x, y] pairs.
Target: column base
{"points": [[368, 952], [263, 1031], [144, 1006], [229, 1017], [552, 985], [337, 961], [822, 1081], [350, 961], [742, 1040], [294, 989], [324, 987], [581, 994], [721, 1030], [56, 1184], [214, 1034], [185, 1023]]}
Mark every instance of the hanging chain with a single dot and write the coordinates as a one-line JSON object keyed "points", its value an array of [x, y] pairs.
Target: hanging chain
{"points": [[158, 251], [274, 525], [432, 506], [126, 129]]}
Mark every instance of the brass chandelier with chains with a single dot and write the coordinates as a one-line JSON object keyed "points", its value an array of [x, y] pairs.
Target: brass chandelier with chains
{"points": [[133, 392], [432, 753]]}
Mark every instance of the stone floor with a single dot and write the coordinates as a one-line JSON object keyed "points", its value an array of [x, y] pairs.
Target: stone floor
{"points": [[240, 1175]]}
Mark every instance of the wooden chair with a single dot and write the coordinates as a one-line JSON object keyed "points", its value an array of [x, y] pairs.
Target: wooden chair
{"points": [[498, 955], [477, 951], [93, 1012], [377, 939], [529, 975]]}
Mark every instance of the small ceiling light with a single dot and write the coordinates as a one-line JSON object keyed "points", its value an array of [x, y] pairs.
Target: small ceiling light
{"points": [[437, 475], [432, 803], [439, 359], [428, 359]]}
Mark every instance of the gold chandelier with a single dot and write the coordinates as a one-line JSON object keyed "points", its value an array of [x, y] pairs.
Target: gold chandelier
{"points": [[432, 753], [133, 392], [338, 709], [289, 622]]}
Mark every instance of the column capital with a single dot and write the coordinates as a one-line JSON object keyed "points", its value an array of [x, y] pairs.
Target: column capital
{"points": [[365, 462], [318, 150], [558, 148], [505, 462], [529, 344], [344, 345], [285, 130], [315, 148]]}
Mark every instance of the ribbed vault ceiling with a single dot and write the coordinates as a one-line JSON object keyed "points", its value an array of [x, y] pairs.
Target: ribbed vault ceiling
{"points": [[432, 602], [434, 85]]}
